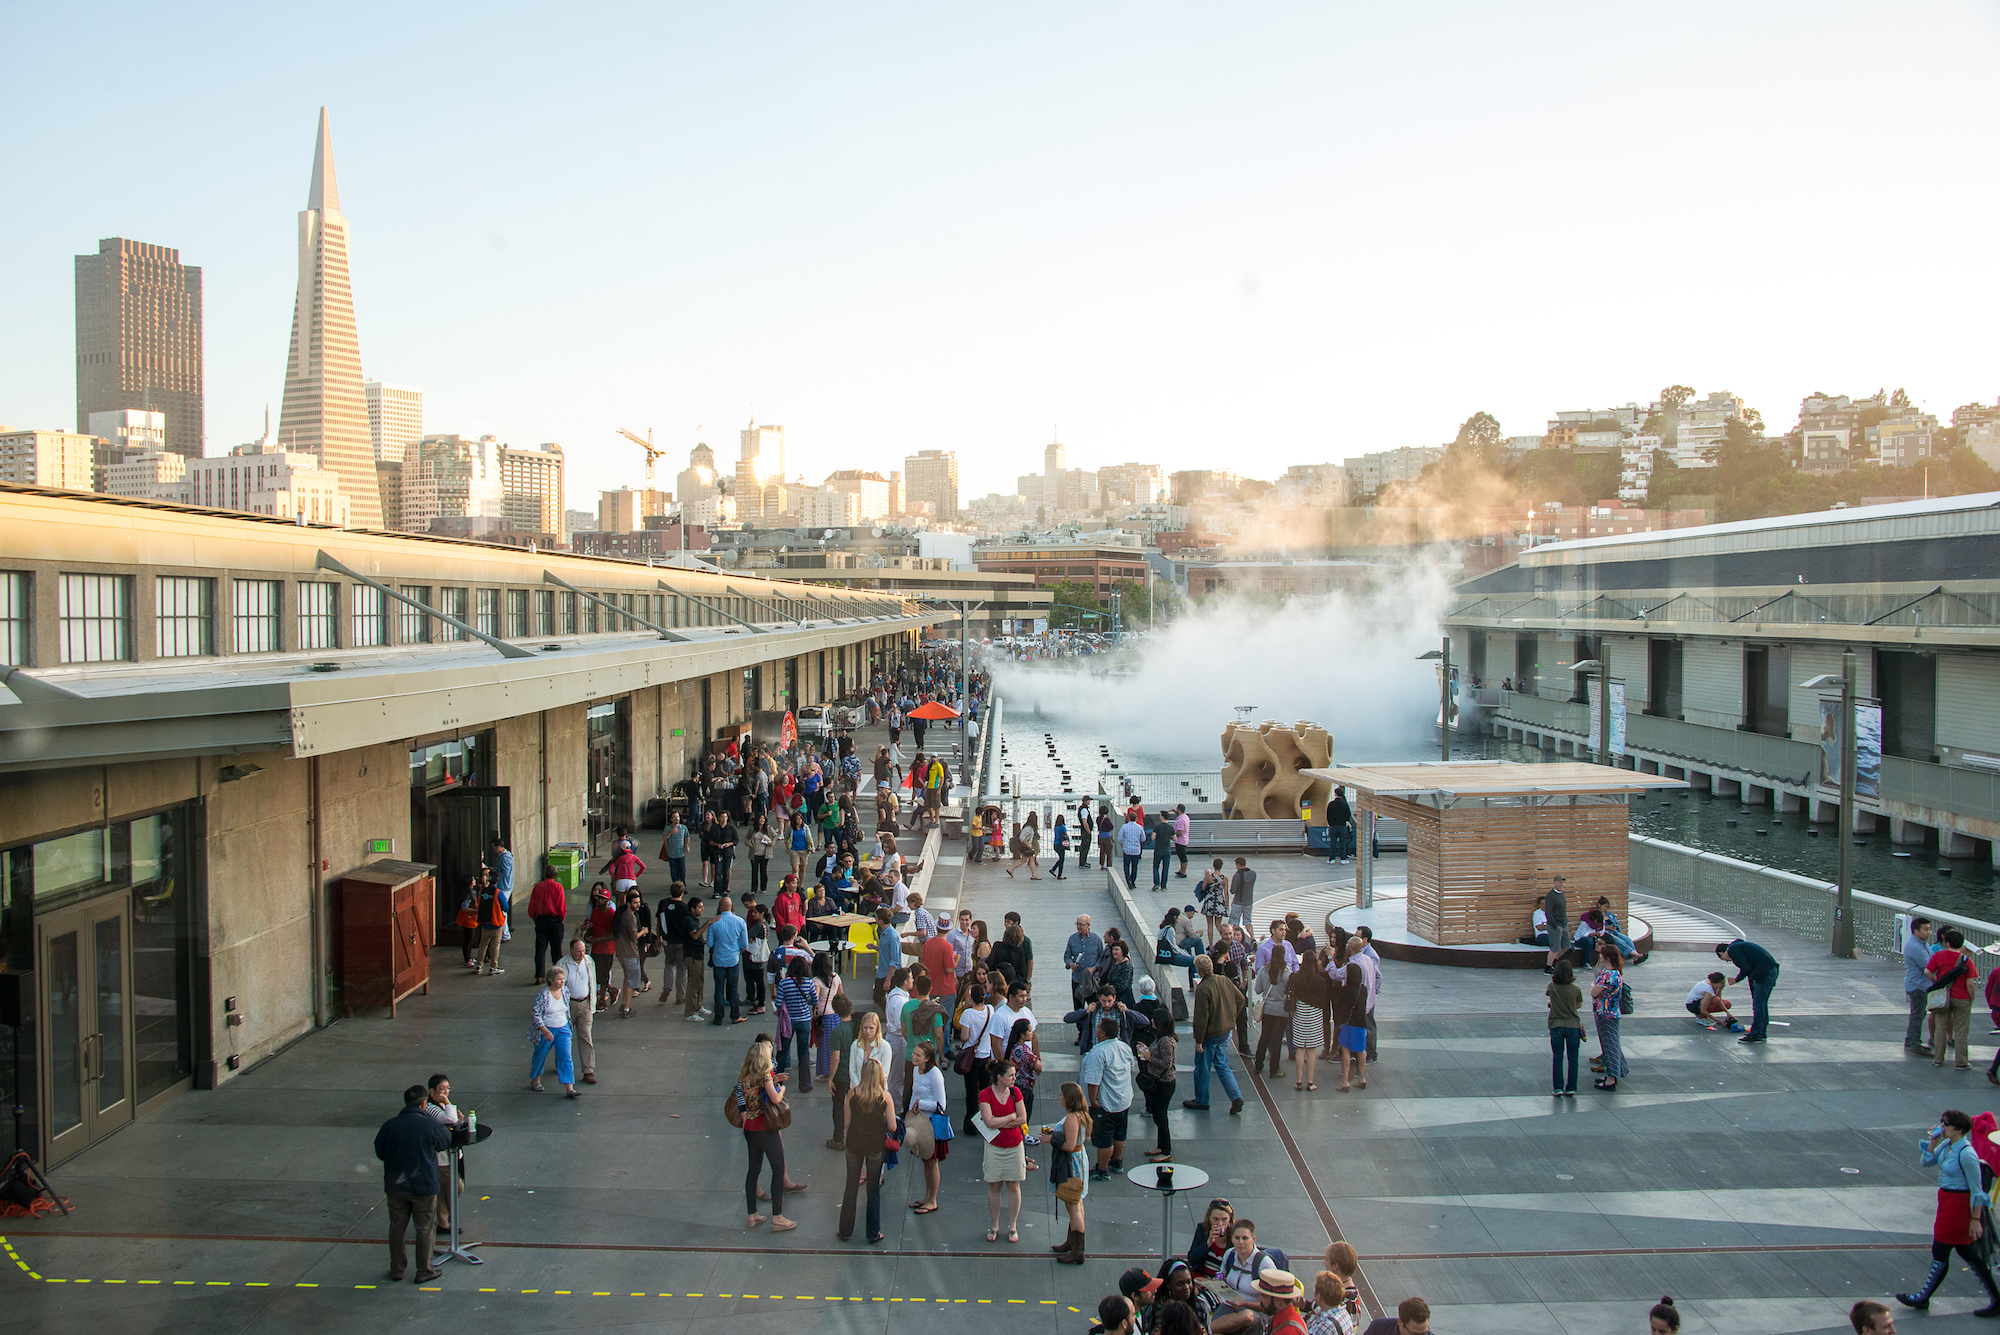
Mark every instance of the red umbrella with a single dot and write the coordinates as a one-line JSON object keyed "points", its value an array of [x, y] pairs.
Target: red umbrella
{"points": [[931, 710]]}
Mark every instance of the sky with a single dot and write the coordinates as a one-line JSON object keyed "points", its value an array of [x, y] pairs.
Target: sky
{"points": [[1239, 238]]}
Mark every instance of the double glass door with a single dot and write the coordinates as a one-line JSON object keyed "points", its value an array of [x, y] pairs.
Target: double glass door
{"points": [[85, 961]]}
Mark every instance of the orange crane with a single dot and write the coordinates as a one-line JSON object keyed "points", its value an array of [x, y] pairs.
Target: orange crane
{"points": [[645, 444]]}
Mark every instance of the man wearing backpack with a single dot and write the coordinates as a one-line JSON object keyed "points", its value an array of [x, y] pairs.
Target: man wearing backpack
{"points": [[1243, 1265]]}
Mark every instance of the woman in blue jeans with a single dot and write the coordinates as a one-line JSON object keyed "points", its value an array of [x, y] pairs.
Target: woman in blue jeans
{"points": [[1565, 1028], [1171, 947], [798, 996], [552, 1033]]}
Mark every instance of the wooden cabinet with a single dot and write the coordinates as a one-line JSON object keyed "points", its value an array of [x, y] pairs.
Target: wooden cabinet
{"points": [[387, 927]]}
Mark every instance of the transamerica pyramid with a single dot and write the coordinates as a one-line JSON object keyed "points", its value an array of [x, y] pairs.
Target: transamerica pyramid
{"points": [[326, 412]]}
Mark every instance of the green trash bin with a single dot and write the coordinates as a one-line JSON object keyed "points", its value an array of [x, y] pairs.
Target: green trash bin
{"points": [[566, 862]]}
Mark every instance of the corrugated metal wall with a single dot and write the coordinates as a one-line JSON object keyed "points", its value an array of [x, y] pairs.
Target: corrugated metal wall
{"points": [[1556, 681], [1811, 659], [1968, 701], [1712, 682], [1629, 662]]}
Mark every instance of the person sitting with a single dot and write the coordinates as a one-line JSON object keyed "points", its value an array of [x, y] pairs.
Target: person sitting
{"points": [[1538, 926], [1707, 1004]]}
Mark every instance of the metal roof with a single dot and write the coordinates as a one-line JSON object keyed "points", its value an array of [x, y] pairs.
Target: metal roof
{"points": [[1746, 532], [1489, 778]]}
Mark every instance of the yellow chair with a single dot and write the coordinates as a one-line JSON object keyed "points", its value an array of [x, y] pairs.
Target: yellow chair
{"points": [[860, 941]]}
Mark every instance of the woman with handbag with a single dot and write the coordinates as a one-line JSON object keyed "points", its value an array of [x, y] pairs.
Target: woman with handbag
{"points": [[1274, 1013], [797, 999], [871, 1122], [927, 1100], [757, 1105], [975, 1046], [1069, 1176], [1605, 990]]}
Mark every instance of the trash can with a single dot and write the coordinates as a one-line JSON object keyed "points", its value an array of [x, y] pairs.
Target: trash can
{"points": [[566, 864]]}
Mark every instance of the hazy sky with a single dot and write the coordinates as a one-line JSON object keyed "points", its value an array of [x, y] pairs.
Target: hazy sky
{"points": [[1239, 237]]}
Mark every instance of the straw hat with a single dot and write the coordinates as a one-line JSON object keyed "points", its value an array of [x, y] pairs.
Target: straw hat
{"points": [[1280, 1284]]}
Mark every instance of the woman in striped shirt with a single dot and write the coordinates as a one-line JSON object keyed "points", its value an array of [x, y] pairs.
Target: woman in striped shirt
{"points": [[798, 997]]}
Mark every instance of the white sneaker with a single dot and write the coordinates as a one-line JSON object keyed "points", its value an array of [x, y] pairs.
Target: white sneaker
{"points": [[1031, 1140]]}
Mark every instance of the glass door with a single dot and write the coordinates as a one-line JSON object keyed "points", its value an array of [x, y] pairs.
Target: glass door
{"points": [[86, 972]]}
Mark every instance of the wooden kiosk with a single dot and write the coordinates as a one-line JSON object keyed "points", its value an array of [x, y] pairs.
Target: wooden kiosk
{"points": [[1486, 837]]}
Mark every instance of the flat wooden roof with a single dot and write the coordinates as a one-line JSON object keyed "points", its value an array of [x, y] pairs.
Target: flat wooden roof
{"points": [[1489, 778]]}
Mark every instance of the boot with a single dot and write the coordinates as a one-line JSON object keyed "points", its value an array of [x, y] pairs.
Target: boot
{"points": [[1065, 1244], [1921, 1300], [1075, 1256]]}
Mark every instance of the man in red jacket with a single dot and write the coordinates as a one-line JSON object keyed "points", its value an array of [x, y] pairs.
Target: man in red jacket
{"points": [[547, 907]]}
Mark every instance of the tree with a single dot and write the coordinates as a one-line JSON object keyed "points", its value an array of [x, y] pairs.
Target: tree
{"points": [[1135, 601], [1900, 399], [1481, 431], [1072, 598], [1673, 396]]}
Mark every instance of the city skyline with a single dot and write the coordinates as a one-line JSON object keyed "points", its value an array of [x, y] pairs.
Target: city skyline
{"points": [[1363, 267]]}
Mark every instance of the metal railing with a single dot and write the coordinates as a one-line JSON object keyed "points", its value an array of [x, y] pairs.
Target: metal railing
{"points": [[1764, 896], [1779, 759], [1938, 607], [1962, 792]]}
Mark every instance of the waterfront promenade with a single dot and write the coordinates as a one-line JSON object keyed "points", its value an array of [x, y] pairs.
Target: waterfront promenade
{"points": [[1765, 1188]]}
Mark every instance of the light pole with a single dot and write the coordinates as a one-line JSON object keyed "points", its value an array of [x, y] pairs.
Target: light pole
{"points": [[1843, 905], [1603, 671], [1443, 656]]}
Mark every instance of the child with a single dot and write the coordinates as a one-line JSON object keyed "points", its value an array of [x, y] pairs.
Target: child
{"points": [[1707, 1004]]}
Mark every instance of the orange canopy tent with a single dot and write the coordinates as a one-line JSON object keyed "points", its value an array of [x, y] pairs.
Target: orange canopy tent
{"points": [[931, 710]]}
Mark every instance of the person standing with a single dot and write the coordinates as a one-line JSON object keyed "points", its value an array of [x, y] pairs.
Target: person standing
{"points": [[492, 922], [1214, 895], [1059, 840], [1106, 1077], [1270, 994], [871, 1117], [1086, 830], [697, 950], [579, 987], [760, 859], [408, 1145], [502, 863], [1067, 1179], [1917, 952], [599, 921], [1131, 843], [1163, 850], [1960, 1199], [1565, 1029], [438, 1104], [757, 1094], [1953, 971], [798, 997], [551, 1021], [1606, 990], [627, 948], [623, 868], [1371, 964], [1157, 1077], [1752, 961], [927, 1100], [1107, 832], [673, 847], [1339, 827], [728, 941], [888, 951], [838, 1078], [722, 846], [671, 918], [1182, 825], [1242, 896], [547, 907], [1083, 952], [1217, 1003], [1556, 905], [1005, 1165]]}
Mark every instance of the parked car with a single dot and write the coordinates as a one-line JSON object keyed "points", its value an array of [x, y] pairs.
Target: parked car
{"points": [[812, 721]]}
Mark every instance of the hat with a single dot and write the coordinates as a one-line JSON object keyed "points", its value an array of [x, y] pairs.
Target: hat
{"points": [[1145, 987], [1136, 1281], [1279, 1284]]}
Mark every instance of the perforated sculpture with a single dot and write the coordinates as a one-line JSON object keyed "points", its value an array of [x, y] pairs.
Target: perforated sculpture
{"points": [[1263, 770]]}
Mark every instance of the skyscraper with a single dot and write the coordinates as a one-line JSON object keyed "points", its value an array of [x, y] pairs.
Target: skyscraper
{"points": [[930, 477], [531, 485], [326, 410], [395, 418], [760, 473], [138, 338]]}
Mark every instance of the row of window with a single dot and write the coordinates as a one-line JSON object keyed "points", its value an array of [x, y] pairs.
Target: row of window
{"points": [[94, 616]]}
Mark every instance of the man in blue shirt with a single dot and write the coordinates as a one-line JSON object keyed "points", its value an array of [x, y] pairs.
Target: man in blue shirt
{"points": [[1131, 840], [674, 846], [888, 953], [1754, 962], [1081, 957], [728, 939], [1917, 952]]}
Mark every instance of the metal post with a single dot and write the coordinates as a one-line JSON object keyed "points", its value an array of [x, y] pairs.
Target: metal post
{"points": [[1444, 702], [1843, 910], [1364, 862], [1604, 756]]}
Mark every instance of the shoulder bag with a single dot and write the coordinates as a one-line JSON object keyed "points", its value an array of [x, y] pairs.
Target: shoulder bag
{"points": [[968, 1056]]}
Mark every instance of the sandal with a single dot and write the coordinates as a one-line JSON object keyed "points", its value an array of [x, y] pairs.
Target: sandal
{"points": [[1300, 1084], [1364, 1085], [1606, 1085], [993, 1235], [1342, 1089], [785, 1227], [535, 1085], [919, 1207], [1013, 1235], [755, 1220]]}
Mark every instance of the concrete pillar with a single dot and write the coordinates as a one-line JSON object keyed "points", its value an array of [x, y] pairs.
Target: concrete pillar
{"points": [[1952, 844], [1722, 787], [1821, 812], [1903, 831], [1787, 802], [1755, 795], [1864, 822]]}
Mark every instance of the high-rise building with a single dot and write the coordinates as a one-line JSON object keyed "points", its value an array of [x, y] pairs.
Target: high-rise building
{"points": [[138, 338], [123, 433], [326, 410], [531, 483], [827, 507], [1055, 458], [930, 477], [64, 459], [627, 509], [1132, 483], [395, 417], [450, 477], [760, 471], [870, 490], [261, 479]]}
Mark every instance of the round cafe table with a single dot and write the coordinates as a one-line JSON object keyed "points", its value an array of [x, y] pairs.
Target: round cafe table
{"points": [[1166, 1179], [454, 1250]]}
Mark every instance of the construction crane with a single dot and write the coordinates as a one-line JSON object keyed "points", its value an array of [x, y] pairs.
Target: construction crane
{"points": [[645, 444]]}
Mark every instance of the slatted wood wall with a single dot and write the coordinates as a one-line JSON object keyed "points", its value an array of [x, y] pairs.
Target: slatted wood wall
{"points": [[1474, 871]]}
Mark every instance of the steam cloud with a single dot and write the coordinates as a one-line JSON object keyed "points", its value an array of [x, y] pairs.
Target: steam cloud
{"points": [[1344, 661]]}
